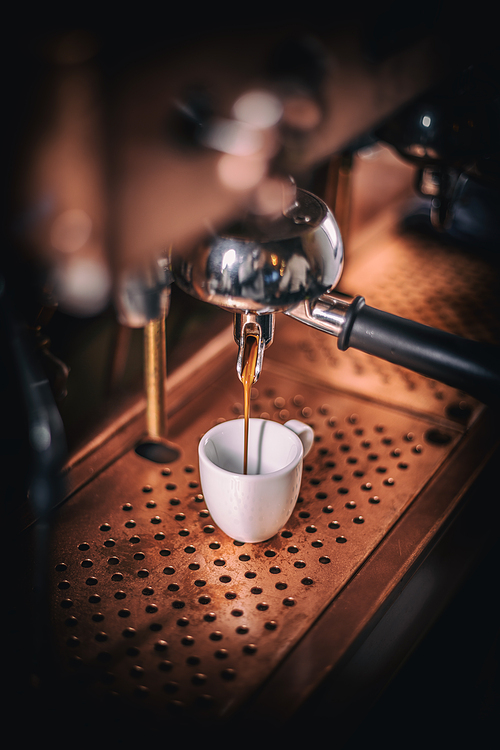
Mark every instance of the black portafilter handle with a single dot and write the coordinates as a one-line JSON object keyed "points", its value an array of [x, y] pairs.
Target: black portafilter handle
{"points": [[467, 365]]}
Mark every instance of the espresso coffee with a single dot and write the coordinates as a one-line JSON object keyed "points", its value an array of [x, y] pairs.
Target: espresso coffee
{"points": [[249, 363]]}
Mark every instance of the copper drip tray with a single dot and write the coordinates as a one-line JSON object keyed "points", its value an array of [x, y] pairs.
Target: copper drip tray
{"points": [[155, 612], [153, 606]]}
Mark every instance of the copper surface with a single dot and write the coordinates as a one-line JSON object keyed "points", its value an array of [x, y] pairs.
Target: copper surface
{"points": [[154, 609], [140, 566]]}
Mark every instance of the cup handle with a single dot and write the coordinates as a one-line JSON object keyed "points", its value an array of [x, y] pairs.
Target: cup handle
{"points": [[305, 433]]}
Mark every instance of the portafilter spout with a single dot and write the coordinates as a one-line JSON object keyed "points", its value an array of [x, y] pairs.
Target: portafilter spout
{"points": [[260, 326], [291, 264]]}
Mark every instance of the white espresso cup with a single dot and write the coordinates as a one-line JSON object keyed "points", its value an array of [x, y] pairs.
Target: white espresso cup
{"points": [[253, 507]]}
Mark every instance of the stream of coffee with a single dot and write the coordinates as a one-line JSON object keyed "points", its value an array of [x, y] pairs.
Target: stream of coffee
{"points": [[249, 363]]}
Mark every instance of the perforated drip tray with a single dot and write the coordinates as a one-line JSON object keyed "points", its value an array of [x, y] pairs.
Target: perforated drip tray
{"points": [[152, 603], [155, 609]]}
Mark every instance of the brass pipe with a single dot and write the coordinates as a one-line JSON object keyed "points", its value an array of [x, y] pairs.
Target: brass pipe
{"points": [[155, 374], [338, 191], [343, 199]]}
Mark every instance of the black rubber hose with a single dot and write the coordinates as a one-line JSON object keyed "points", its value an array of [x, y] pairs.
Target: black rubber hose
{"points": [[467, 365]]}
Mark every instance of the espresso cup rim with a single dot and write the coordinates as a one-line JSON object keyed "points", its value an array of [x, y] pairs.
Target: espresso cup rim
{"points": [[251, 477]]}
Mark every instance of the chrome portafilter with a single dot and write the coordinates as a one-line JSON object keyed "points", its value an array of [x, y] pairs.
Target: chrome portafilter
{"points": [[261, 266], [291, 264]]}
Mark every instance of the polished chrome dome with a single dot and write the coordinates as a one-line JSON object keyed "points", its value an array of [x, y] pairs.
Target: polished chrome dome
{"points": [[266, 266]]}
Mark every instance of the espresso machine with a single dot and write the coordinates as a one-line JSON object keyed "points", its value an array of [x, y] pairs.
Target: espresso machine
{"points": [[359, 260]]}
